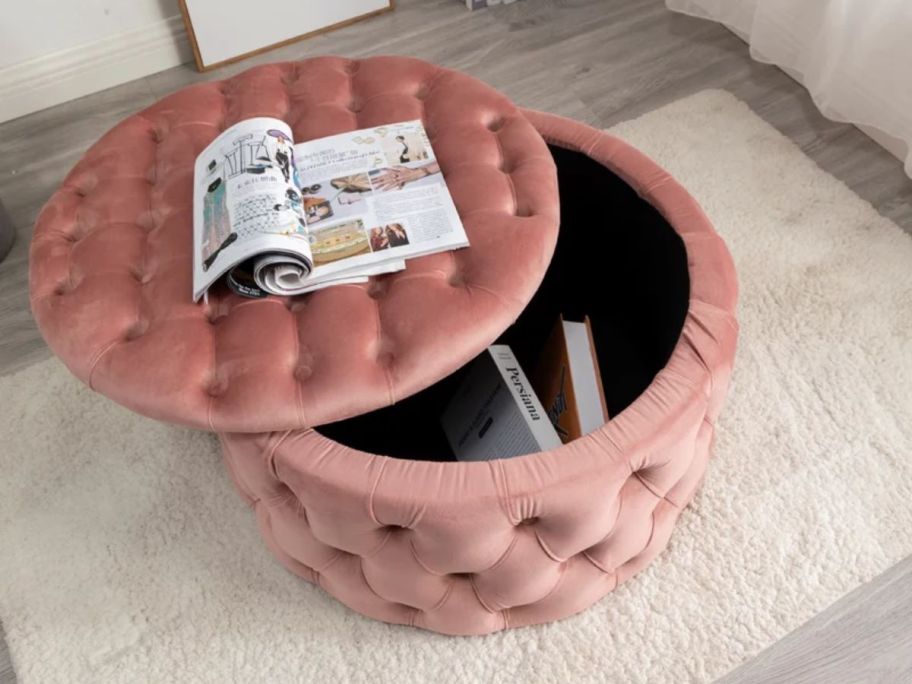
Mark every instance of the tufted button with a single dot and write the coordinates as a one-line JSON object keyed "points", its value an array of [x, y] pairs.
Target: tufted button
{"points": [[527, 521], [282, 492], [352, 67], [395, 528], [496, 123], [136, 330], [377, 288], [462, 575], [385, 359], [217, 387], [522, 211], [457, 279], [642, 474], [294, 303], [303, 373], [354, 105], [148, 221], [292, 75], [78, 234], [215, 314], [422, 91]]}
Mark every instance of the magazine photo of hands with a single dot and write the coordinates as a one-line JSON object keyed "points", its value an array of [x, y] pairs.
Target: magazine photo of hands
{"points": [[400, 176]]}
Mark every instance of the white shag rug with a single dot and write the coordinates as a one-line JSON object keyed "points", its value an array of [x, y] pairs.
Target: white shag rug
{"points": [[126, 556]]}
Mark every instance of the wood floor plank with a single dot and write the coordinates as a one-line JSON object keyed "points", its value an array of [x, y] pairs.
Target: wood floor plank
{"points": [[36, 152], [596, 61], [865, 637], [7, 674]]}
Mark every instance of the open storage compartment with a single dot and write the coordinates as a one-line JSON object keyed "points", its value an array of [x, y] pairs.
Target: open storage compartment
{"points": [[476, 547], [617, 260]]}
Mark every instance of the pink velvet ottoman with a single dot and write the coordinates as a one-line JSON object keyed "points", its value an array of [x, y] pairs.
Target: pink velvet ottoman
{"points": [[331, 431]]}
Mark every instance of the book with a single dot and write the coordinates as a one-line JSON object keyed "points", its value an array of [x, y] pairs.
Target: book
{"points": [[285, 218], [568, 382], [495, 413]]}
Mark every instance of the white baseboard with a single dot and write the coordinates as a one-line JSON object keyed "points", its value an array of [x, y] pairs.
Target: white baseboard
{"points": [[62, 76]]}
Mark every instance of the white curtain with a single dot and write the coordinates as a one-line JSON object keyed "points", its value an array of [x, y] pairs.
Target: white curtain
{"points": [[854, 56]]}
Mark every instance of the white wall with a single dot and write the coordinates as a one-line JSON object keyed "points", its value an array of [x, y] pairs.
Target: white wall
{"points": [[56, 50], [32, 28], [224, 29]]}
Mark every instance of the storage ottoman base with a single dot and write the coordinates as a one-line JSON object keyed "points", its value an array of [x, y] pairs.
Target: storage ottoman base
{"points": [[413, 537], [393, 581]]}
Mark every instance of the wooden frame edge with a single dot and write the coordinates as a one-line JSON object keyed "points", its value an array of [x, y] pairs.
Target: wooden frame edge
{"points": [[202, 68]]}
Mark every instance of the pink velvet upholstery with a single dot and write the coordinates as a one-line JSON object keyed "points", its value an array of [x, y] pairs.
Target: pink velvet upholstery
{"points": [[110, 261], [460, 548], [471, 548]]}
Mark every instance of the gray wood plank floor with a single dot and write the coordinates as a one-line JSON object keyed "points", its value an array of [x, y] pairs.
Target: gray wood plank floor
{"points": [[865, 637], [594, 60]]}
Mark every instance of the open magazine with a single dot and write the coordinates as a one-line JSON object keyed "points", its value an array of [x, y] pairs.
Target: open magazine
{"points": [[286, 219]]}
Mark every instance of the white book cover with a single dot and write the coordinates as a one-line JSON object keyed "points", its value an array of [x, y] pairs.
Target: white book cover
{"points": [[495, 413]]}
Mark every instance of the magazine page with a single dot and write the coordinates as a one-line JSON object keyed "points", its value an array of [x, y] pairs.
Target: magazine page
{"points": [[374, 196], [246, 202], [272, 274]]}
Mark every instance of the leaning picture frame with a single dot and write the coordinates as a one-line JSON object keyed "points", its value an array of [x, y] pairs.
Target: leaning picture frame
{"points": [[225, 31]]}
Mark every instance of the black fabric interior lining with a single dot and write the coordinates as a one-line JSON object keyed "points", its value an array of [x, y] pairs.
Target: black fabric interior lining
{"points": [[617, 260]]}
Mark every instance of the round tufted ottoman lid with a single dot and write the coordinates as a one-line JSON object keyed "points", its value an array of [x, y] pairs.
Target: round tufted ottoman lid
{"points": [[110, 274]]}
